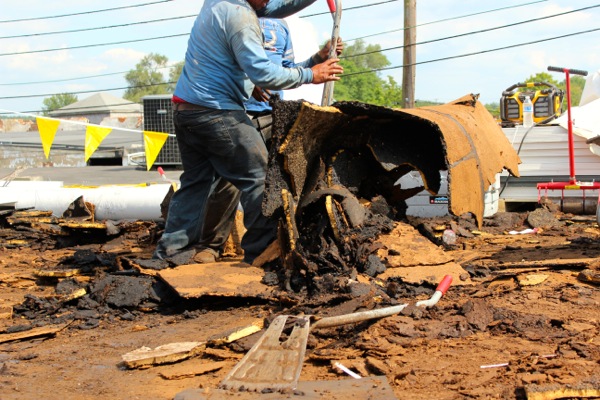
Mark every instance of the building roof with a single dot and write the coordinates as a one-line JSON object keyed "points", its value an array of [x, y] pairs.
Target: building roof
{"points": [[99, 103]]}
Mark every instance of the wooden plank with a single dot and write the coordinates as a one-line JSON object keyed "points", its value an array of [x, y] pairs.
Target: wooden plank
{"points": [[551, 263], [236, 333], [65, 273], [551, 392], [167, 353], [32, 333], [227, 279]]}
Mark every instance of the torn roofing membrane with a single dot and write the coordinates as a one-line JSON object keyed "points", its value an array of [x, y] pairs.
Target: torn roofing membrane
{"points": [[370, 147]]}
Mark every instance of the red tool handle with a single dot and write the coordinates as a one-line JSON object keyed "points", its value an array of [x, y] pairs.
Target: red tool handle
{"points": [[331, 4], [571, 71], [444, 284]]}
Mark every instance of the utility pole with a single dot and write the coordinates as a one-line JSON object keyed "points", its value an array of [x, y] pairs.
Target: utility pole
{"points": [[410, 56]]}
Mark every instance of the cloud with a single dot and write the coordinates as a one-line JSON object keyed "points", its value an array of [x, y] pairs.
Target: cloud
{"points": [[122, 56]]}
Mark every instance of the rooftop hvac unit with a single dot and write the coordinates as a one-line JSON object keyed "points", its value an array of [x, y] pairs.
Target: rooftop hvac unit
{"points": [[158, 117]]}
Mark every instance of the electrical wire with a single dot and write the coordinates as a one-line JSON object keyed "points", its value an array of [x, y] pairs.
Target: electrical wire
{"points": [[27, 96], [98, 27], [84, 12], [345, 75], [77, 78], [475, 32], [349, 8], [450, 19], [85, 46], [472, 54]]}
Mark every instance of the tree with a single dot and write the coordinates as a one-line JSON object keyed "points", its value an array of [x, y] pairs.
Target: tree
{"points": [[57, 101], [360, 82], [494, 109], [147, 78], [174, 75], [577, 84]]}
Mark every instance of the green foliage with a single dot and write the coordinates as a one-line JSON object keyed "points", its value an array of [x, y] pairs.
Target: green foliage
{"points": [[57, 101], [576, 82], [543, 77], [174, 75], [425, 103], [147, 78], [358, 84], [494, 109]]}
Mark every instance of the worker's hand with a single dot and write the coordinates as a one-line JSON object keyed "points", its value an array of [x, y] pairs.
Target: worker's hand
{"points": [[260, 94], [324, 52], [327, 71]]}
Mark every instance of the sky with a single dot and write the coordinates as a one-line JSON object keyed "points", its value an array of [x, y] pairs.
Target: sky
{"points": [[454, 57]]}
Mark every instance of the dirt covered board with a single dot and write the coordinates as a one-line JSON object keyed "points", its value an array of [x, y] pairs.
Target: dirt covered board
{"points": [[216, 279]]}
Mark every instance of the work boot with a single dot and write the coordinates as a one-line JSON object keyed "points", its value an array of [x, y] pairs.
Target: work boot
{"points": [[206, 256]]}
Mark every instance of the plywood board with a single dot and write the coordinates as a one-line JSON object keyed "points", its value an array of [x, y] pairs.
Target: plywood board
{"points": [[228, 279], [167, 353]]}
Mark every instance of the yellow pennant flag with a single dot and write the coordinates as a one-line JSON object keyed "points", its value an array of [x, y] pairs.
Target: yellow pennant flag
{"points": [[153, 142], [47, 128], [94, 135]]}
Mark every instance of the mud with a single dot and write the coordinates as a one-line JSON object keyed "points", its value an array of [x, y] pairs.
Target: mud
{"points": [[493, 335]]}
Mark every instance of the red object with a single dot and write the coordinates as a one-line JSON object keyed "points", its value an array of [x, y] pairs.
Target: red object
{"points": [[572, 184], [331, 4], [444, 285]]}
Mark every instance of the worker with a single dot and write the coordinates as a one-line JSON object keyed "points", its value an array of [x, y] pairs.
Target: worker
{"points": [[224, 199], [215, 136]]}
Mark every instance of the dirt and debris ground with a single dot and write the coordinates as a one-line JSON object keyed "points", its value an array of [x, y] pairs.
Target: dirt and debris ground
{"points": [[522, 319]]}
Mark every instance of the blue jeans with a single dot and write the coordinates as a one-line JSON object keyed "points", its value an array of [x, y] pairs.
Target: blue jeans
{"points": [[219, 216], [217, 143]]}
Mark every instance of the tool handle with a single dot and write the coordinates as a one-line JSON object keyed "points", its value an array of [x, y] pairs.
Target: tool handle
{"points": [[444, 284], [329, 322], [331, 4], [571, 71]]}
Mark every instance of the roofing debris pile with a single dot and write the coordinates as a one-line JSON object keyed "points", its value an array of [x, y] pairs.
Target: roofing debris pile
{"points": [[333, 174]]}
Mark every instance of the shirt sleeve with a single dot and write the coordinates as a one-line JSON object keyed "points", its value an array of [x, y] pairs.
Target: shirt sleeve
{"points": [[283, 8], [249, 53]]}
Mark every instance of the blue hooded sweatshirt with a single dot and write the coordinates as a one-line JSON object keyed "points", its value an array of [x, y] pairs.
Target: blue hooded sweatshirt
{"points": [[226, 46]]}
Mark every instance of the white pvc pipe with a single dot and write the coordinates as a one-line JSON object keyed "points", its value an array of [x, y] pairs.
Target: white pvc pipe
{"points": [[329, 322], [111, 202]]}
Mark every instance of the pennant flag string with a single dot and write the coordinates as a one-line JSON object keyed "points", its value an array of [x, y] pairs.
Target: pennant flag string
{"points": [[153, 142], [48, 128], [94, 135], [75, 122]]}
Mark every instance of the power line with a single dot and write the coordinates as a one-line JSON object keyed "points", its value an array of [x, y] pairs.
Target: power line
{"points": [[77, 78], [345, 75], [474, 53], [84, 46], [84, 12], [350, 8], [161, 37], [474, 32], [450, 19], [98, 27], [141, 40], [26, 96]]}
